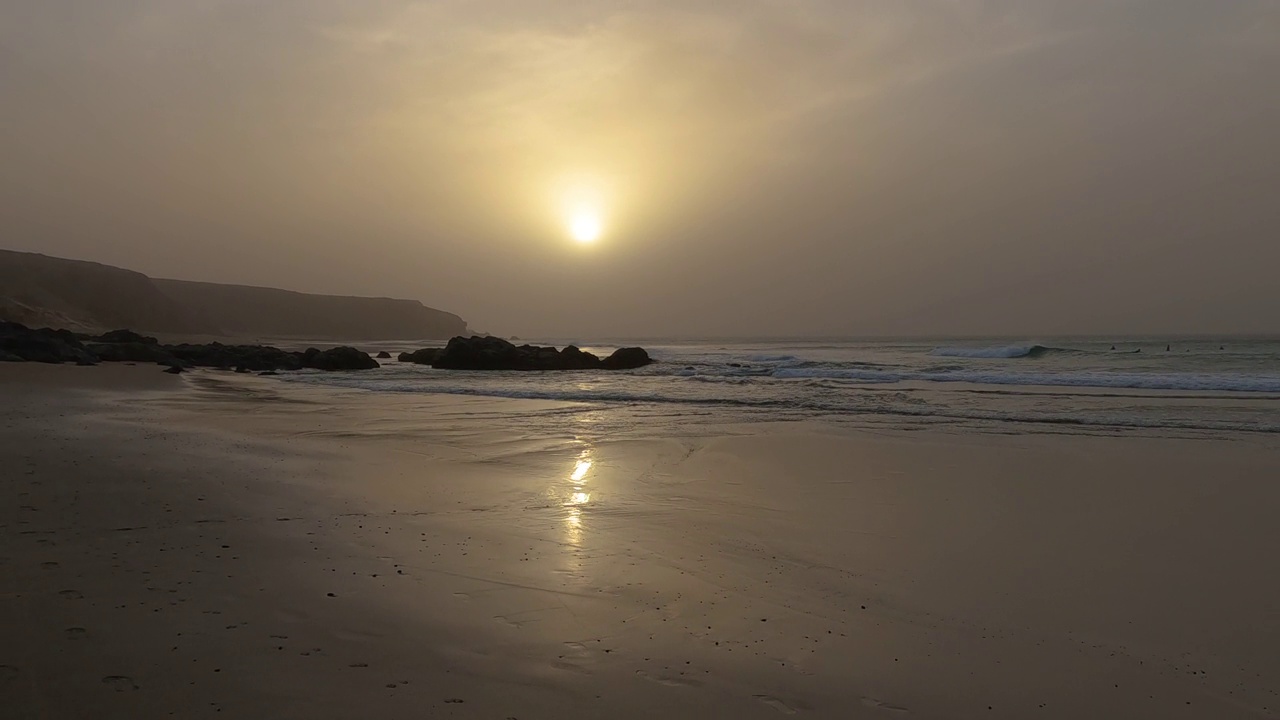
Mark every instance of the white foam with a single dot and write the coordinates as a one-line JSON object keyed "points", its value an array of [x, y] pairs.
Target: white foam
{"points": [[1139, 381], [1006, 351]]}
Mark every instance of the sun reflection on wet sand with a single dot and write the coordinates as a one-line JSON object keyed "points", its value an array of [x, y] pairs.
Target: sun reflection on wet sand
{"points": [[575, 497], [573, 527]]}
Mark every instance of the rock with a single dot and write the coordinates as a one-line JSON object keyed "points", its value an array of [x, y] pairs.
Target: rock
{"points": [[339, 358], [126, 336], [479, 353], [425, 356], [268, 372], [174, 370], [254, 358], [627, 358], [384, 355], [131, 352], [571, 358], [491, 353], [20, 343], [44, 345]]}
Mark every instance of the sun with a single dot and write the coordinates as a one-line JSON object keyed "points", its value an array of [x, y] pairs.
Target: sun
{"points": [[585, 226]]}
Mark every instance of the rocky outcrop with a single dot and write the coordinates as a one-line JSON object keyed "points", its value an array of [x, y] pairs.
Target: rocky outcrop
{"points": [[627, 358], [260, 358], [425, 356], [131, 352], [339, 358], [19, 343], [491, 353], [250, 357], [384, 355], [126, 336]]}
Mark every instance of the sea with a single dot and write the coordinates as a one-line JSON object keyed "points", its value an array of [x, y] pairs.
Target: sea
{"points": [[1154, 386]]}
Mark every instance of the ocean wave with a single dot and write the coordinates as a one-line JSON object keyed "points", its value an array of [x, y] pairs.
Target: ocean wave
{"points": [[1136, 381], [1002, 352], [562, 394], [825, 403]]}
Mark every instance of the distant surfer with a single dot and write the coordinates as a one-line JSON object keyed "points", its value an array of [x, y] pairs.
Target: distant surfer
{"points": [[1113, 347], [1167, 347]]}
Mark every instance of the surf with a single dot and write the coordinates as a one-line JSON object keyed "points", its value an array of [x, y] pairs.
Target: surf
{"points": [[998, 352]]}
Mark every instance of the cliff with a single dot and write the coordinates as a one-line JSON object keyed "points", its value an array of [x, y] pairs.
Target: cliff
{"points": [[243, 310], [41, 291]]}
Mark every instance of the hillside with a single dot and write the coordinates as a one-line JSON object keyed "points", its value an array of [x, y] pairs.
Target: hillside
{"points": [[42, 291], [38, 290], [243, 310]]}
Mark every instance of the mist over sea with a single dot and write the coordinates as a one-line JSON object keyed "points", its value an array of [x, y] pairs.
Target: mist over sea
{"points": [[1174, 387]]}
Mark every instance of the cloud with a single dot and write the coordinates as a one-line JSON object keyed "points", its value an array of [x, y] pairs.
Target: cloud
{"points": [[840, 151]]}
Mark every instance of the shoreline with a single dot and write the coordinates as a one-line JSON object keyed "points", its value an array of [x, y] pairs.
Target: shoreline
{"points": [[723, 574]]}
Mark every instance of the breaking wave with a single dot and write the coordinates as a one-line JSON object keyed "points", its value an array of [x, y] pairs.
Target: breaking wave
{"points": [[1201, 385], [1007, 351], [1135, 381]]}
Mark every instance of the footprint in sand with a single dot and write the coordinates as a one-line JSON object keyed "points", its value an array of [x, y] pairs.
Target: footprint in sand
{"points": [[8, 674], [878, 705], [569, 667], [49, 565], [668, 680], [781, 706], [75, 633], [71, 595], [120, 683]]}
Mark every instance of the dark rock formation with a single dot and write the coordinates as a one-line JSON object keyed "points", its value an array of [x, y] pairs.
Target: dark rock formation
{"points": [[47, 346], [131, 352], [384, 355], [174, 370], [126, 336], [19, 343], [251, 357], [627, 358], [425, 356], [491, 353], [339, 358]]}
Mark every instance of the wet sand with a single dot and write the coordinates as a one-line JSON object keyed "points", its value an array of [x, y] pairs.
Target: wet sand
{"points": [[214, 545]]}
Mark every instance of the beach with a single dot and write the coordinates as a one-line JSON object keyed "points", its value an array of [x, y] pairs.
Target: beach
{"points": [[227, 545]]}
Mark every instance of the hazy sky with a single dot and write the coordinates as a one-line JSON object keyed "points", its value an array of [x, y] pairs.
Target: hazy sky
{"points": [[834, 167]]}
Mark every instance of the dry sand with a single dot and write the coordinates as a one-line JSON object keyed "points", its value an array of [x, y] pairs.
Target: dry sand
{"points": [[215, 545]]}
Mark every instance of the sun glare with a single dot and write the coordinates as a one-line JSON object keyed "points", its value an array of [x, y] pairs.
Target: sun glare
{"points": [[585, 226], [583, 203]]}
